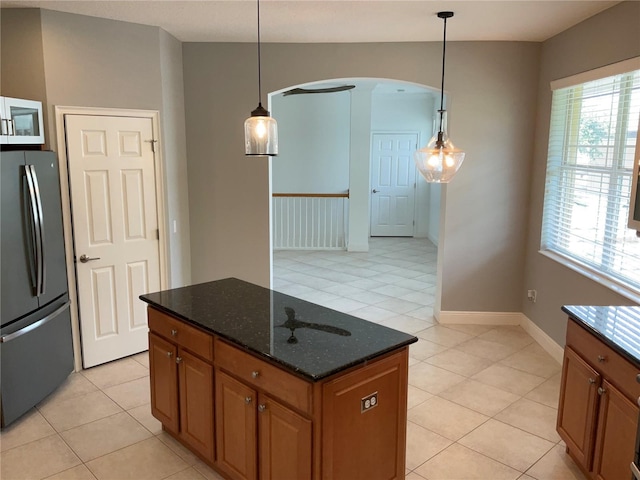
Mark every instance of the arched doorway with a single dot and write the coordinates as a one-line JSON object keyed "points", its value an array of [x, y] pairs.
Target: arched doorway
{"points": [[321, 183]]}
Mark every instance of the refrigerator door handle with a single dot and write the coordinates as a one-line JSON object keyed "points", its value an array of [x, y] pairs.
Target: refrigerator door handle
{"points": [[37, 244], [41, 264], [34, 325]]}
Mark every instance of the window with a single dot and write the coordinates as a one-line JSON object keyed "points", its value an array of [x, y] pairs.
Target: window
{"points": [[592, 142]]}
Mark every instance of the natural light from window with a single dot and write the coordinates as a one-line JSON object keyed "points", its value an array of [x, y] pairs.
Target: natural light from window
{"points": [[592, 145]]}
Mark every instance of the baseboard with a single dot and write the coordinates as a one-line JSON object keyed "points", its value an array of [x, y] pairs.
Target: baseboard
{"points": [[505, 318], [355, 247], [480, 318], [544, 340]]}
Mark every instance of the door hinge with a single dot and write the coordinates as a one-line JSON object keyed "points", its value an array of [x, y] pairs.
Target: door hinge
{"points": [[157, 234], [153, 145], [414, 223]]}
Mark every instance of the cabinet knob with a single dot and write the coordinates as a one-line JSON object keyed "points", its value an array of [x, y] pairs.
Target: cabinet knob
{"points": [[255, 374], [601, 391], [592, 381], [174, 332], [247, 400], [262, 407], [169, 354], [602, 358], [178, 359]]}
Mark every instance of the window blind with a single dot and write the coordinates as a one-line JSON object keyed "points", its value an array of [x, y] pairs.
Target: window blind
{"points": [[592, 140]]}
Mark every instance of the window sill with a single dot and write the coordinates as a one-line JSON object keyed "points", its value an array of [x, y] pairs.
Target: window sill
{"points": [[594, 275]]}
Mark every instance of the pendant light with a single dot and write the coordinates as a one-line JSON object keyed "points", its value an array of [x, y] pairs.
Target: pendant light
{"points": [[260, 130], [439, 161]]}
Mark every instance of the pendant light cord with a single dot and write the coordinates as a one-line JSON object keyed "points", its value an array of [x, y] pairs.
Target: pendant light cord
{"points": [[444, 47], [259, 66]]}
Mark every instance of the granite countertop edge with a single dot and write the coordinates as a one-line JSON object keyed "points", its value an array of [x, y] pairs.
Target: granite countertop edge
{"points": [[575, 313], [275, 360]]}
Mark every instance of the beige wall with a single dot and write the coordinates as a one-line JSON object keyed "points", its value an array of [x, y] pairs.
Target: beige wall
{"points": [[607, 38], [175, 159], [493, 90], [22, 71], [80, 61]]}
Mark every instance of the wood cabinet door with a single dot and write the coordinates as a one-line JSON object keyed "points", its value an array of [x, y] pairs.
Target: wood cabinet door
{"points": [[615, 442], [236, 441], [364, 422], [578, 406], [163, 374], [196, 404], [284, 445]]}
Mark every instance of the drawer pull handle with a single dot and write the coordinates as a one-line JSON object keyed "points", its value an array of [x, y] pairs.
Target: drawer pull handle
{"points": [[602, 358], [592, 381], [178, 359], [174, 332], [247, 400], [601, 391], [255, 374], [169, 354], [262, 407]]}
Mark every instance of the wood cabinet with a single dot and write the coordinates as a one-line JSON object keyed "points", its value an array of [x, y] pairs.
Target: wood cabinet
{"points": [[616, 434], [257, 434], [182, 384], [271, 424], [597, 417]]}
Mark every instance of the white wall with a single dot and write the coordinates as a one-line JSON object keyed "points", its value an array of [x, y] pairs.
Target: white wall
{"points": [[410, 113], [313, 137]]}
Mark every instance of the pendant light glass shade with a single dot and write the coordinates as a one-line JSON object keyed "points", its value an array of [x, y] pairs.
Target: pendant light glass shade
{"points": [[260, 129], [439, 161], [260, 133]]}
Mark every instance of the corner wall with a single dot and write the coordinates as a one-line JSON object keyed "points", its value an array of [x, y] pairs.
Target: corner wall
{"points": [[608, 37]]}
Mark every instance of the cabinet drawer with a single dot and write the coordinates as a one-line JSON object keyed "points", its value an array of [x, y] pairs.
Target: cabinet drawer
{"points": [[192, 339], [604, 359], [260, 374]]}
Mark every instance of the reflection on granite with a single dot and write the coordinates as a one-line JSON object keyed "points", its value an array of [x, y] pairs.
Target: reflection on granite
{"points": [[618, 327], [253, 317], [292, 323]]}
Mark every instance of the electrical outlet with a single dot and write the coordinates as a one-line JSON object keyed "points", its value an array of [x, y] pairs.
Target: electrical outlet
{"points": [[368, 402], [532, 295]]}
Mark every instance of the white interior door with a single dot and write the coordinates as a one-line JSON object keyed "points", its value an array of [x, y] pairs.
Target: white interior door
{"points": [[115, 231], [393, 182]]}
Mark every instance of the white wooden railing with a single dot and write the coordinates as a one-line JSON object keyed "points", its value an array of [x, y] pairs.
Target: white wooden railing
{"points": [[310, 221]]}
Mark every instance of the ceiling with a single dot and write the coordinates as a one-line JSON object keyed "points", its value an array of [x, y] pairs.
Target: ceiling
{"points": [[333, 21]]}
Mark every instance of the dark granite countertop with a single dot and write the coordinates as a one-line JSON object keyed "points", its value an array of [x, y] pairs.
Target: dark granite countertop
{"points": [[323, 342], [618, 327]]}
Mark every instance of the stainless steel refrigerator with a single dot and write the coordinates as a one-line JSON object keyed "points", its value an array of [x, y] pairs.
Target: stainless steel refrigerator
{"points": [[36, 352]]}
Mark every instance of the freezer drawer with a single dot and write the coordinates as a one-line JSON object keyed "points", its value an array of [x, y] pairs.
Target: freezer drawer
{"points": [[36, 356]]}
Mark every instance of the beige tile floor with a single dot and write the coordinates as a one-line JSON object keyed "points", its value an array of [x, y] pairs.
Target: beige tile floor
{"points": [[482, 399]]}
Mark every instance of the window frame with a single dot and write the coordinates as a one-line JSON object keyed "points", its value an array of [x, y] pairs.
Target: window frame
{"points": [[630, 290]]}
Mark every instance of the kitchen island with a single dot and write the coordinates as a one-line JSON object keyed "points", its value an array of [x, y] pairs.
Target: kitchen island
{"points": [[600, 388], [264, 385]]}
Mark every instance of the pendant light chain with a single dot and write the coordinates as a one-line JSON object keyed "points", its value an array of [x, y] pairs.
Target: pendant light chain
{"points": [[439, 160], [259, 64], [444, 48]]}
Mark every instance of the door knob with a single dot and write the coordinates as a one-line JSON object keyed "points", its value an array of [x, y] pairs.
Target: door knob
{"points": [[85, 259], [374, 191]]}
